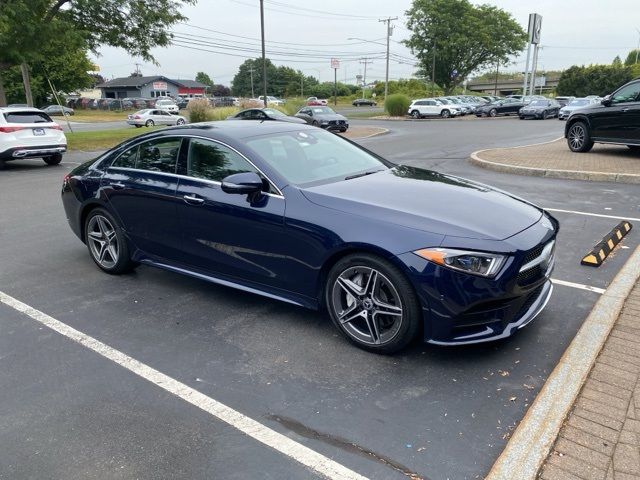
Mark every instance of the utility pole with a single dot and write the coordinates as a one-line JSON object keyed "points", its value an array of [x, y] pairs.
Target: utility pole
{"points": [[365, 61], [264, 57], [433, 71], [388, 21], [253, 95], [495, 85], [302, 85]]}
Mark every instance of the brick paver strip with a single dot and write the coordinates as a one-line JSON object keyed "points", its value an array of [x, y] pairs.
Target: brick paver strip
{"points": [[598, 440], [613, 163]]}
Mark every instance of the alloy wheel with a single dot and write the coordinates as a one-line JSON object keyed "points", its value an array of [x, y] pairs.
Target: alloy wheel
{"points": [[103, 241], [367, 305], [576, 137]]}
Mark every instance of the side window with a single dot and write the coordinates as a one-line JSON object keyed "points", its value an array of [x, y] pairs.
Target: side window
{"points": [[127, 159], [212, 161], [627, 94], [159, 155]]}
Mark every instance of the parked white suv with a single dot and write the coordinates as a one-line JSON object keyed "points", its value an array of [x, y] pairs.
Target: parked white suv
{"points": [[30, 133], [430, 107], [272, 100], [168, 105]]}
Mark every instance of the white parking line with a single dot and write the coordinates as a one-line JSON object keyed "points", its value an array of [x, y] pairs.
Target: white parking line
{"points": [[283, 444], [631, 219], [579, 286]]}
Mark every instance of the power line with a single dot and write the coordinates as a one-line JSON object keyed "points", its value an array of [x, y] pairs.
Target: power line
{"points": [[272, 2]]}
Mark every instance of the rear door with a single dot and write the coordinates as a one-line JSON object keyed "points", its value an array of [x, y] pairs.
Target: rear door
{"points": [[33, 129], [140, 186]]}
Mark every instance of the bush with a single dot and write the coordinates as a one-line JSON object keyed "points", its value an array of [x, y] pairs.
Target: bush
{"points": [[397, 105], [221, 113], [199, 110]]}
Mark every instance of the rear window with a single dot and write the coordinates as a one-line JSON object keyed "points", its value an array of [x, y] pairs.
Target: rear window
{"points": [[27, 117]]}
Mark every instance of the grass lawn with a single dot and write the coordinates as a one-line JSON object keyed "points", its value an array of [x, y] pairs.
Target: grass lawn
{"points": [[103, 139]]}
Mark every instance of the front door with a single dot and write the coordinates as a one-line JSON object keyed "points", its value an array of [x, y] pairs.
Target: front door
{"points": [[616, 121], [140, 186], [234, 235]]}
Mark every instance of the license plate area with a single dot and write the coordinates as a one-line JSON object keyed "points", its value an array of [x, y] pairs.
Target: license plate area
{"points": [[38, 132]]}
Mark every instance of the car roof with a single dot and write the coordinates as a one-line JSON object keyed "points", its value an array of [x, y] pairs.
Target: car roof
{"points": [[19, 109], [238, 129]]}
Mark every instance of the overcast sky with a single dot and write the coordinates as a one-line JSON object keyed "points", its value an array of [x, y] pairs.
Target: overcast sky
{"points": [[305, 34]]}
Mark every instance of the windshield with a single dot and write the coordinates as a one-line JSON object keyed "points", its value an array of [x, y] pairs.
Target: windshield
{"points": [[578, 102], [322, 110], [539, 103], [273, 112], [305, 157], [142, 112]]}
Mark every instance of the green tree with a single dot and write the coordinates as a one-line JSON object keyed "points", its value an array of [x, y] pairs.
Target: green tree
{"points": [[463, 37], [281, 81], [135, 25], [617, 62], [581, 81], [633, 57], [205, 79]]}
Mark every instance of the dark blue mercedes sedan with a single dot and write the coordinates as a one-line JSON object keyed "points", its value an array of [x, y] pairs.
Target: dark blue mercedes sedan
{"points": [[302, 215]]}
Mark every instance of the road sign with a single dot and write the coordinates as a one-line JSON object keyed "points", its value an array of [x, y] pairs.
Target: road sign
{"points": [[535, 27], [335, 63]]}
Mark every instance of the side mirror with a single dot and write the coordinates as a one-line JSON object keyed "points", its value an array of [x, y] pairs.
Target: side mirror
{"points": [[606, 101], [242, 183]]}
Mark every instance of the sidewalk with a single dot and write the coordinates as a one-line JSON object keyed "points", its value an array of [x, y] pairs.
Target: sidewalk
{"points": [[608, 163], [601, 437]]}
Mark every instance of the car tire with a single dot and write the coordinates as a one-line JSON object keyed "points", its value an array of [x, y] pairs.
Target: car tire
{"points": [[53, 159], [578, 138], [445, 113], [180, 122], [106, 242], [149, 123], [138, 126], [342, 130], [415, 114], [493, 112], [362, 318], [2, 164], [521, 117], [634, 148], [315, 124]]}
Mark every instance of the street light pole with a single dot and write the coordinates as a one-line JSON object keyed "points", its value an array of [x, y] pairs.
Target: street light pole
{"points": [[365, 61], [264, 57], [387, 21]]}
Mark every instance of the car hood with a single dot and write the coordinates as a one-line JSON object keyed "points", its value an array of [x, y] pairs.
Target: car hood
{"points": [[291, 119], [429, 201]]}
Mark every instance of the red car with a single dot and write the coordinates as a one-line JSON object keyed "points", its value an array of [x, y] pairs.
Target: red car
{"points": [[315, 101]]}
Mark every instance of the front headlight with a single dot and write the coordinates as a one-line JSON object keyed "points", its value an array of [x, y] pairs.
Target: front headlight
{"points": [[476, 263]]}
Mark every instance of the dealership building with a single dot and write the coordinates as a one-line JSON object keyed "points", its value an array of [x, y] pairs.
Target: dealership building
{"points": [[151, 87]]}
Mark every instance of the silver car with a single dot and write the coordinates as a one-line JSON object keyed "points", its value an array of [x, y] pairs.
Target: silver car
{"points": [[150, 117], [576, 104]]}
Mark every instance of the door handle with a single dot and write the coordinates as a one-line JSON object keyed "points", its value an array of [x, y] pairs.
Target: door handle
{"points": [[193, 200], [117, 185]]}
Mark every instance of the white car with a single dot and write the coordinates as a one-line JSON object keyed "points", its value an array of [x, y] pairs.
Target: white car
{"points": [[430, 107], [167, 104], [576, 104], [30, 133], [271, 100], [151, 116]]}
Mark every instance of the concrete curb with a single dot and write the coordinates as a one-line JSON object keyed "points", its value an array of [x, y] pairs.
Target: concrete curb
{"points": [[551, 173], [531, 443], [383, 131]]}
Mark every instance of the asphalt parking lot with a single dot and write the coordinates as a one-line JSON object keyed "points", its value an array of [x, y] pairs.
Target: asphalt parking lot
{"points": [[430, 412]]}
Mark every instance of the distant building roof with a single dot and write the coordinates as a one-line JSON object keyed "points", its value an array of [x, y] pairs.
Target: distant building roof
{"points": [[137, 82]]}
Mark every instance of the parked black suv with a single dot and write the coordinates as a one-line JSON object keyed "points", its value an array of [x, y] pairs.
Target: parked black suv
{"points": [[615, 120]]}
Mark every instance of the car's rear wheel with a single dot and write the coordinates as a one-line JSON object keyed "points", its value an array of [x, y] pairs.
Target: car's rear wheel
{"points": [[53, 159], [493, 112], [415, 114], [106, 242], [149, 123], [372, 303], [445, 113], [578, 138]]}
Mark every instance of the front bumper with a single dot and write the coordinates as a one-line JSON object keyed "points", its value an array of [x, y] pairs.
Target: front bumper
{"points": [[340, 125], [460, 308]]}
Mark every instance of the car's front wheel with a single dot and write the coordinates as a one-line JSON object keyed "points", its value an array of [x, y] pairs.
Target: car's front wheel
{"points": [[415, 114], [445, 113], [106, 242], [493, 112], [578, 138], [53, 159], [180, 121], [149, 123], [372, 303]]}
